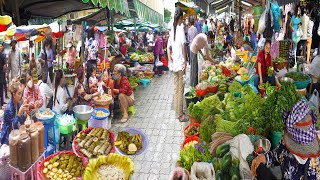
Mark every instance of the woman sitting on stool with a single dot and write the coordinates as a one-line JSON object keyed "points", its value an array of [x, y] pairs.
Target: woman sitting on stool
{"points": [[123, 89]]}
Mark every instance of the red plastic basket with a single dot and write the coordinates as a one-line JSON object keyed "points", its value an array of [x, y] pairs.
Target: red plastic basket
{"points": [[226, 71], [213, 89], [186, 141], [76, 148], [41, 165], [191, 124], [262, 91], [201, 93]]}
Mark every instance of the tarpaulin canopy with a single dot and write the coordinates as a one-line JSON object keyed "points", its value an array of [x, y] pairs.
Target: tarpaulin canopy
{"points": [[147, 14], [117, 5]]}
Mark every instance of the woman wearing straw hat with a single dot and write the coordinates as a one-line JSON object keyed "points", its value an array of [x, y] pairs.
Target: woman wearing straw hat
{"points": [[299, 151]]}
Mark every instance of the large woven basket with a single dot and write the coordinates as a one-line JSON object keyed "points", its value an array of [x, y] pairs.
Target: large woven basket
{"points": [[103, 102], [279, 66]]}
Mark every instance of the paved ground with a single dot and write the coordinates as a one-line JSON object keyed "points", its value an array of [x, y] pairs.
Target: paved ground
{"points": [[155, 116]]}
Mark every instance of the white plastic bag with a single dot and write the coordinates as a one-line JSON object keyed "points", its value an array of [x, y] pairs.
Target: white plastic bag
{"points": [[240, 148], [203, 171], [262, 22], [158, 62], [314, 100]]}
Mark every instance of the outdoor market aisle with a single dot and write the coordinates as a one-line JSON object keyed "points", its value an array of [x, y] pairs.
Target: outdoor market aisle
{"points": [[155, 116]]}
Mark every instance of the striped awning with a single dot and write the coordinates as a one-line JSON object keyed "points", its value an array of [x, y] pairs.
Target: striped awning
{"points": [[147, 14], [119, 6]]}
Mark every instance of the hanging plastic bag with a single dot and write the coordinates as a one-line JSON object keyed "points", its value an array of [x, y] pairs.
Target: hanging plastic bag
{"points": [[158, 62], [262, 22], [202, 170], [268, 32], [276, 13], [314, 101]]}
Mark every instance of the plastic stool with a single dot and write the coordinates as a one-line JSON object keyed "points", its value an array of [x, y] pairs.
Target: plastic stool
{"points": [[145, 82], [131, 110], [46, 139], [82, 123]]}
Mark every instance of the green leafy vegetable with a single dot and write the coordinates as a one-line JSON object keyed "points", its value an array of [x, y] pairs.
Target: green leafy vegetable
{"points": [[207, 128], [296, 76], [192, 93], [235, 87], [226, 126], [279, 60]]}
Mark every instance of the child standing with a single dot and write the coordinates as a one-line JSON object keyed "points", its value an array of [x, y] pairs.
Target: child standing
{"points": [[93, 81]]}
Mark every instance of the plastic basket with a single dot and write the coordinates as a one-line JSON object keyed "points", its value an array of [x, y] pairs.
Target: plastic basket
{"points": [[201, 93], [213, 89], [301, 84], [253, 137], [242, 82], [186, 141], [76, 147], [98, 117], [41, 165], [133, 131], [46, 120], [185, 129]]}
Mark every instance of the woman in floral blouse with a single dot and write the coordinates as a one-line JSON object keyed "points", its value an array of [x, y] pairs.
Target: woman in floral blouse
{"points": [[80, 96], [15, 112], [123, 89], [298, 154]]}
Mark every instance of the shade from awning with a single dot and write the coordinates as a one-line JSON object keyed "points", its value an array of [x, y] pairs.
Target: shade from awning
{"points": [[147, 14], [117, 5]]}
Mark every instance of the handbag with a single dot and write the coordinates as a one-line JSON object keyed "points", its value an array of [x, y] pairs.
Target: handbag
{"points": [[158, 62]]}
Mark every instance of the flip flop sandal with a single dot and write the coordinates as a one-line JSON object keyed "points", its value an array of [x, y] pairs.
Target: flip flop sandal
{"points": [[124, 120], [184, 119]]}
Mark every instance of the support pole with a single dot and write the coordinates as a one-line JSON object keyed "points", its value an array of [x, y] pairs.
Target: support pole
{"points": [[240, 9], [82, 41]]}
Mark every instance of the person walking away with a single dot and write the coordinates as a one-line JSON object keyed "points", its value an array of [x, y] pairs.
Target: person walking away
{"points": [[158, 53], [199, 25], [210, 31], [14, 63], [205, 28], [297, 34], [2, 74], [198, 43], [177, 41], [50, 59], [309, 38], [304, 27], [289, 27], [43, 61], [192, 33], [231, 24]]}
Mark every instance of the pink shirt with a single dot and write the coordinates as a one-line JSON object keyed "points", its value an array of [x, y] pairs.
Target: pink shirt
{"points": [[198, 43], [32, 96]]}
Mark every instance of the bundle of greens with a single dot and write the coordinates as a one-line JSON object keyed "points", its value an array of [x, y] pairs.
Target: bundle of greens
{"points": [[279, 60], [247, 90], [279, 102], [235, 87], [209, 106], [207, 128], [192, 93], [296, 76], [226, 126]]}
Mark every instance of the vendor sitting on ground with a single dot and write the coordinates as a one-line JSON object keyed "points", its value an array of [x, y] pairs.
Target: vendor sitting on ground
{"points": [[299, 151], [108, 86], [80, 96], [32, 94], [15, 113], [264, 63], [123, 89]]}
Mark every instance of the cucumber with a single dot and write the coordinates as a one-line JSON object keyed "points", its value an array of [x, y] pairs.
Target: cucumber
{"points": [[216, 164], [235, 177], [219, 175], [226, 162], [222, 150], [234, 170]]}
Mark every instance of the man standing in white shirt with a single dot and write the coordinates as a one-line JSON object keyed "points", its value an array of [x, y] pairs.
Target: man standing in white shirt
{"points": [[305, 21], [14, 62]]}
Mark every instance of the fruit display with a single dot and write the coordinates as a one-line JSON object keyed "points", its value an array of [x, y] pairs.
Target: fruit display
{"points": [[146, 57], [129, 144], [62, 165], [93, 142]]}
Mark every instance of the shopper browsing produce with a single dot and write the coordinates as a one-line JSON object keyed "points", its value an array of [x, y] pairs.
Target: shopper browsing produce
{"points": [[299, 152], [15, 112], [264, 72]]}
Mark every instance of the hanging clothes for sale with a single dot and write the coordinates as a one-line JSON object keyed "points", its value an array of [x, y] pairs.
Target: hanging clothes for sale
{"points": [[274, 51], [276, 13], [268, 31]]}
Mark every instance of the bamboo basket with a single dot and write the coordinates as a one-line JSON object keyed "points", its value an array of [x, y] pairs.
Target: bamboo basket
{"points": [[103, 102]]}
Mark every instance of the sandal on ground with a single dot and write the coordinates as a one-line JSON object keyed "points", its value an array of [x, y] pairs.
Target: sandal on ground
{"points": [[183, 118], [124, 120]]}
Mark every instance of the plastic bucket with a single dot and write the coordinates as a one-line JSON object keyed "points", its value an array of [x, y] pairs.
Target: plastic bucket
{"points": [[189, 100], [97, 123], [276, 137]]}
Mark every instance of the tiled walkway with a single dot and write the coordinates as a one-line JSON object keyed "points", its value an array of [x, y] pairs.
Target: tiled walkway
{"points": [[155, 116]]}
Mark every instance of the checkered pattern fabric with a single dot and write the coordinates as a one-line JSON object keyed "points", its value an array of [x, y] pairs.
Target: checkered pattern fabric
{"points": [[299, 111]]}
